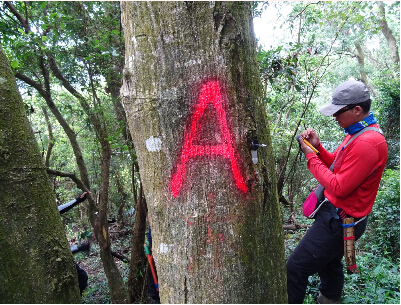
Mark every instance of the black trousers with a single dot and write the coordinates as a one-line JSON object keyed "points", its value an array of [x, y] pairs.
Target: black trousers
{"points": [[320, 251], [82, 278]]}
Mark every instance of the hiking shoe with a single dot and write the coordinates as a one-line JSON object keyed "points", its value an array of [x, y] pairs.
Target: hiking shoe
{"points": [[154, 301], [321, 299]]}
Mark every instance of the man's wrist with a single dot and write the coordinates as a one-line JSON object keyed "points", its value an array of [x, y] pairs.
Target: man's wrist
{"points": [[79, 199]]}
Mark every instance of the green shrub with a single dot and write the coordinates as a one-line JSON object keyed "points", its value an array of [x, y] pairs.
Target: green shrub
{"points": [[377, 283], [383, 234], [387, 106], [379, 256]]}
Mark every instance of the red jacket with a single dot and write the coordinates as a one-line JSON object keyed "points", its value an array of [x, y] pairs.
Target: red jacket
{"points": [[355, 180]]}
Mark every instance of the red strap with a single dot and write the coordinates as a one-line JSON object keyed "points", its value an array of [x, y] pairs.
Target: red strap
{"points": [[348, 238], [351, 267]]}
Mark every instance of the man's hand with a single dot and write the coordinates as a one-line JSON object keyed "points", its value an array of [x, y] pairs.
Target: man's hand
{"points": [[85, 246], [313, 139], [311, 136], [82, 197], [305, 148]]}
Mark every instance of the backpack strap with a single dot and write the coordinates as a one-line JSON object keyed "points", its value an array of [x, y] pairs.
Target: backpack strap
{"points": [[361, 132], [354, 137]]}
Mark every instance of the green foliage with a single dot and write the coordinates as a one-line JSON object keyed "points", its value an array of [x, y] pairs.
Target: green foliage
{"points": [[279, 71], [384, 220], [389, 101], [86, 235], [388, 114], [377, 283]]}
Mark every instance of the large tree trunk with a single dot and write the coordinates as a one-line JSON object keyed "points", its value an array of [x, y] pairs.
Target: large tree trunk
{"points": [[99, 223], [193, 98], [36, 262]]}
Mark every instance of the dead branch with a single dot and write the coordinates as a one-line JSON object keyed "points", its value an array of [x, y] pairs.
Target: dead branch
{"points": [[293, 224], [120, 257]]}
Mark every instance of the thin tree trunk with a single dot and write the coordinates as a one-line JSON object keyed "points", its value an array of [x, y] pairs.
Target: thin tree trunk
{"points": [[216, 226], [137, 274], [50, 144], [124, 196], [361, 62], [115, 281], [45, 92], [392, 43], [137, 270]]}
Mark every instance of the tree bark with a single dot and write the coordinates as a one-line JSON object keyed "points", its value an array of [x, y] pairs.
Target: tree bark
{"points": [[116, 284], [137, 271], [36, 262], [361, 62], [50, 144], [215, 218]]}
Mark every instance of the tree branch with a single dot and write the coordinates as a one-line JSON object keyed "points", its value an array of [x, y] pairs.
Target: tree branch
{"points": [[45, 73], [392, 44], [32, 83], [305, 9], [22, 20], [72, 176], [295, 226], [57, 73], [51, 137]]}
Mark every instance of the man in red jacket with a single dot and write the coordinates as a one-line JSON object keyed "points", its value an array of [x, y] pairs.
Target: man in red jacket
{"points": [[351, 186]]}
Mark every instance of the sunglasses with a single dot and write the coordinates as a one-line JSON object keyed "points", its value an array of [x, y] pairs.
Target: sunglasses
{"points": [[344, 110]]}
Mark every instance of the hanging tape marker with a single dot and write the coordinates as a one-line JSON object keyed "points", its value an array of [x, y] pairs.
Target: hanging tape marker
{"points": [[351, 267], [348, 225]]}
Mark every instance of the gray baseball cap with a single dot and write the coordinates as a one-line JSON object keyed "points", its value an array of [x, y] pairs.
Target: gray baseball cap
{"points": [[348, 93]]}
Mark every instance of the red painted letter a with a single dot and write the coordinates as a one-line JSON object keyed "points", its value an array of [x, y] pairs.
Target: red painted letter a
{"points": [[209, 93]]}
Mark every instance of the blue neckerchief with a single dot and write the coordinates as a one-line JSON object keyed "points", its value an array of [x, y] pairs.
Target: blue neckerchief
{"points": [[354, 128]]}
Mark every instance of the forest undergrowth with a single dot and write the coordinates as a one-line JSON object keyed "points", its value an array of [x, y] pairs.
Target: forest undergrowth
{"points": [[378, 253]]}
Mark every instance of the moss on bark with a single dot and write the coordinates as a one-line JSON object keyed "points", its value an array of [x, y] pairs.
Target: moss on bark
{"points": [[36, 262]]}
